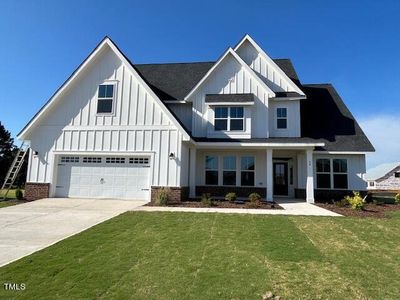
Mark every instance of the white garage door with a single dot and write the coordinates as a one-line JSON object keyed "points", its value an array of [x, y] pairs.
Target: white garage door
{"points": [[103, 177]]}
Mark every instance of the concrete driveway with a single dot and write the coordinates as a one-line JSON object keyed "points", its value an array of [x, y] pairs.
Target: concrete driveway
{"points": [[29, 227]]}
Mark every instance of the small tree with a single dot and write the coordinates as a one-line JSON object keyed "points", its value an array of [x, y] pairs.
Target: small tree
{"points": [[6, 152]]}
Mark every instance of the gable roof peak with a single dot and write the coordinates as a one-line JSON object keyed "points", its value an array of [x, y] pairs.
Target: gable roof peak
{"points": [[270, 61]]}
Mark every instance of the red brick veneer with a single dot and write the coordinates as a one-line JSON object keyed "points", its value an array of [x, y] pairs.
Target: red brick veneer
{"points": [[35, 190], [176, 193]]}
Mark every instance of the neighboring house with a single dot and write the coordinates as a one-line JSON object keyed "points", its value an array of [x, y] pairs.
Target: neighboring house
{"points": [[384, 177], [244, 123]]}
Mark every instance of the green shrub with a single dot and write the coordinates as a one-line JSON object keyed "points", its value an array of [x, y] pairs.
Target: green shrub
{"points": [[19, 194], [397, 198], [162, 197], [342, 203], [253, 197], [254, 201], [207, 200], [230, 197], [355, 201]]}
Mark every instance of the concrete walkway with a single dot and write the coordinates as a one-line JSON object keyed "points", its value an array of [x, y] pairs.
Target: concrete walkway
{"points": [[289, 208], [29, 227]]}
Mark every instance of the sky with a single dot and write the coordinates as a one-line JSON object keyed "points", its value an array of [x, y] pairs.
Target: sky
{"points": [[355, 45]]}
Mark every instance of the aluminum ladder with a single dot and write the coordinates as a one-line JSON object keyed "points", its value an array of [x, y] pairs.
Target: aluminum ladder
{"points": [[14, 169]]}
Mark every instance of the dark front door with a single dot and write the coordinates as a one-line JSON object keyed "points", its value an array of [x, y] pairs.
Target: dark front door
{"points": [[280, 178]]}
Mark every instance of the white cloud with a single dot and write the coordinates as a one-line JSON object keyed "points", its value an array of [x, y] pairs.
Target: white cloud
{"points": [[384, 133]]}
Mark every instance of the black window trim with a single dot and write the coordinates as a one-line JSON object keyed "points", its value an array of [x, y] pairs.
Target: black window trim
{"points": [[332, 173]]}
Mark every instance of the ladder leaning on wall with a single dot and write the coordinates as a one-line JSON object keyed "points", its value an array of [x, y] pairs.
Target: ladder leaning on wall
{"points": [[14, 169]]}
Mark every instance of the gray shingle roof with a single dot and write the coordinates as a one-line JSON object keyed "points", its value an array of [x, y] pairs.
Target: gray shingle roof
{"points": [[173, 81], [324, 116], [215, 98]]}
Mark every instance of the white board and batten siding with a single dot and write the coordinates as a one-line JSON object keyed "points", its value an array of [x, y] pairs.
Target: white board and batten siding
{"points": [[274, 78], [231, 78], [138, 126], [356, 169]]}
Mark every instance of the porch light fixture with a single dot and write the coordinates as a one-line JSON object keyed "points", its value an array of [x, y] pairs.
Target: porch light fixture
{"points": [[172, 155], [35, 153]]}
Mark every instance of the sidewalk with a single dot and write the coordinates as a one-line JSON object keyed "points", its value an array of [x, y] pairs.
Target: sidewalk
{"points": [[289, 208]]}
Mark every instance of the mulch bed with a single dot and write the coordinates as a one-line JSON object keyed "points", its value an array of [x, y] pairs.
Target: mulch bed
{"points": [[222, 204], [370, 210]]}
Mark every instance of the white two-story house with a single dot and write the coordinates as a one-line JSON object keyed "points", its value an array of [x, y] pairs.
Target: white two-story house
{"points": [[244, 123]]}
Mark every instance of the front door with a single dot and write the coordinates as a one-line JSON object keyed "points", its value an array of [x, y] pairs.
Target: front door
{"points": [[281, 178]]}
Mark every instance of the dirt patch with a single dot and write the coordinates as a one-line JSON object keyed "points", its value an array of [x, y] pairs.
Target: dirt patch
{"points": [[222, 204], [370, 210]]}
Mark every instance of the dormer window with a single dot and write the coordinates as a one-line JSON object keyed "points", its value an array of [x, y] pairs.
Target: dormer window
{"points": [[281, 118], [229, 118], [105, 99]]}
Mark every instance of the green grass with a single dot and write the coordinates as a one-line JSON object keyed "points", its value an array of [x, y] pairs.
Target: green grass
{"points": [[10, 199], [141, 255]]}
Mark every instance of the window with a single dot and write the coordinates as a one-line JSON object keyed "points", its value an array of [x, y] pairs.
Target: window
{"points": [[92, 160], [371, 183], [105, 99], [247, 171], [115, 160], [139, 160], [397, 174], [221, 118], [211, 170], [323, 173], [340, 173], [331, 173], [69, 159], [281, 118], [229, 118], [236, 118], [229, 170]]}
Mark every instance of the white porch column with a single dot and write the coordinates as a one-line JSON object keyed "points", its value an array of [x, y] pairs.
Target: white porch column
{"points": [[310, 176], [192, 172], [269, 175]]}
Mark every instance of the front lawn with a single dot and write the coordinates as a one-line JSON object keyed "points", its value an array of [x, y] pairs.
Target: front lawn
{"points": [[10, 199], [141, 255]]}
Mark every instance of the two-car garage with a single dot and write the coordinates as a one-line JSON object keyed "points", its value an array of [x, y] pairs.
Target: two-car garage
{"points": [[119, 177]]}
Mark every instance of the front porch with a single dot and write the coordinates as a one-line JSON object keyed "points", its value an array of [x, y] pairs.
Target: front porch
{"points": [[273, 172]]}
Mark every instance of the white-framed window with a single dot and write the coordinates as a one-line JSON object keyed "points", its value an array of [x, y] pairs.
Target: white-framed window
{"points": [[211, 175], [91, 160], [229, 170], [331, 173], [371, 183], [105, 98], [229, 118], [69, 159], [115, 160], [247, 171], [281, 118]]}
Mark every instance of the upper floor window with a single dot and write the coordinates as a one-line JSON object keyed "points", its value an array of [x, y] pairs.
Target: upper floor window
{"points": [[229, 118], [281, 118], [105, 99], [397, 174]]}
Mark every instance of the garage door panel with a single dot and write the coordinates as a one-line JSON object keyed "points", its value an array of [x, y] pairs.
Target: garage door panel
{"points": [[103, 178]]}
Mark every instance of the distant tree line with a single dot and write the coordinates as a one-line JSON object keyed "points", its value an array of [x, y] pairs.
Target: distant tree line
{"points": [[7, 153]]}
